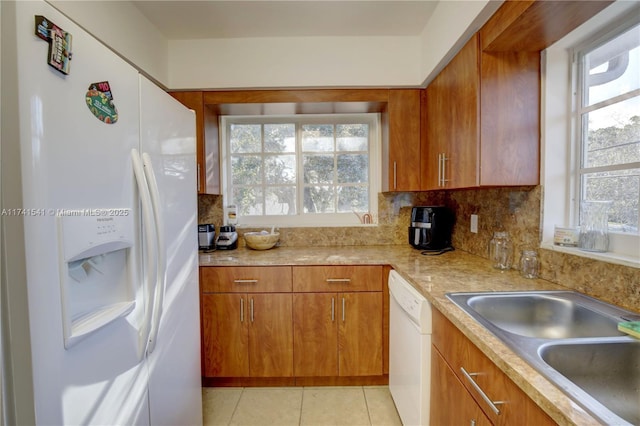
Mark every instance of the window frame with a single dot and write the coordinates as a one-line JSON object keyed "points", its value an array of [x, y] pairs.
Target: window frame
{"points": [[561, 163], [301, 219]]}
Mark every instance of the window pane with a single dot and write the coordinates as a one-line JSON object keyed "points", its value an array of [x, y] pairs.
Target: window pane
{"points": [[353, 198], [318, 168], [613, 134], [245, 138], [319, 199], [317, 137], [620, 187], [279, 138], [353, 168], [352, 137], [280, 169], [280, 200], [246, 169], [613, 67], [249, 200]]}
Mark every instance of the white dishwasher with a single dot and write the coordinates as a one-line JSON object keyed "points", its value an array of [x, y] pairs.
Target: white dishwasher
{"points": [[409, 351]]}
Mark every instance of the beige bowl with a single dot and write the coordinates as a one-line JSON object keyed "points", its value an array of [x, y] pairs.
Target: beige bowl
{"points": [[261, 240]]}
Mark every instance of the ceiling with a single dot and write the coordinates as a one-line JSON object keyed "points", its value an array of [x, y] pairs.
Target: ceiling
{"points": [[180, 20]]}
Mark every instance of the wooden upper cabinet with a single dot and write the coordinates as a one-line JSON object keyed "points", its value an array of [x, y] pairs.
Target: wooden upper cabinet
{"points": [[453, 110], [404, 140], [207, 149], [483, 118]]}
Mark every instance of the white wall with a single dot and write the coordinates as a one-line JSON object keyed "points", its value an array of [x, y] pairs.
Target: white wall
{"points": [[329, 61], [452, 24], [294, 62], [121, 26], [282, 62]]}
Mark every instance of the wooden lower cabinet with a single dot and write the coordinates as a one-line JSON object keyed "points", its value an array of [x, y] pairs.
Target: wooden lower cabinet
{"points": [[258, 328], [337, 334], [247, 335], [451, 404], [458, 352]]}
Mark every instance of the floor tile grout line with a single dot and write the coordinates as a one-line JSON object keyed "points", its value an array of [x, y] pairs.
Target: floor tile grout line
{"points": [[236, 406], [366, 404]]}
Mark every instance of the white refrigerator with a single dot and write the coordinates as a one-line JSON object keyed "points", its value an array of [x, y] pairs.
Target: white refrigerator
{"points": [[100, 310]]}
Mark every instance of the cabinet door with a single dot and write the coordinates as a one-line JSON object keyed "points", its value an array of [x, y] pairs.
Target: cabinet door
{"points": [[404, 140], [270, 335], [437, 133], [451, 404], [206, 149], [225, 335], [315, 334], [463, 112], [360, 334]]}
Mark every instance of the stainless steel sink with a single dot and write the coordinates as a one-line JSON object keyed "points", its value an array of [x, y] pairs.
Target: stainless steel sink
{"points": [[546, 316], [571, 339], [608, 372]]}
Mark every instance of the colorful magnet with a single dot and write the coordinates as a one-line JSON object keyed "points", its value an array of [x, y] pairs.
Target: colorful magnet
{"points": [[100, 102], [59, 56]]}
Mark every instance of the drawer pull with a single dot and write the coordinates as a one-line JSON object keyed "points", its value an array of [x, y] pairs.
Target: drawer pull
{"points": [[245, 281], [241, 310], [490, 403], [338, 280]]}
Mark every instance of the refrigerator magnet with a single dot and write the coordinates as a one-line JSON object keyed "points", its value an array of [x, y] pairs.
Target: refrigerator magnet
{"points": [[100, 102], [59, 55]]}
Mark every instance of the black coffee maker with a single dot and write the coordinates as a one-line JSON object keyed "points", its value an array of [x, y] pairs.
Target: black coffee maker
{"points": [[431, 228]]}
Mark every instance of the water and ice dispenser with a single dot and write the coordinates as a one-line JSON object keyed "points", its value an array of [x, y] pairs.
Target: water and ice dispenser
{"points": [[97, 272]]}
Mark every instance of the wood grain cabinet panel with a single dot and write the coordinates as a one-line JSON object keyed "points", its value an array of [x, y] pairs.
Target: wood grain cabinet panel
{"points": [[207, 148], [451, 404], [338, 321], [515, 407], [247, 335], [404, 140], [337, 278], [245, 279], [483, 124]]}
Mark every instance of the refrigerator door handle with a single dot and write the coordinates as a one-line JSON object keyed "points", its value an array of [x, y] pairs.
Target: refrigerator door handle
{"points": [[151, 257], [162, 260]]}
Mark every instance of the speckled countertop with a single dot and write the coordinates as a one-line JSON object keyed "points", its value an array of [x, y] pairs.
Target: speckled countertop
{"points": [[434, 276]]}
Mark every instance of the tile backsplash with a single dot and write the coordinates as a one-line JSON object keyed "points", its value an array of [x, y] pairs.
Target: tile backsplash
{"points": [[515, 210]]}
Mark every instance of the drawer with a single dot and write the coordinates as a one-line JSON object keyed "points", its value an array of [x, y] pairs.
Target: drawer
{"points": [[245, 279], [337, 278]]}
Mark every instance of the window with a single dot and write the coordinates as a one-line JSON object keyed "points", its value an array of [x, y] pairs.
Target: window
{"points": [[305, 170], [607, 115], [591, 129]]}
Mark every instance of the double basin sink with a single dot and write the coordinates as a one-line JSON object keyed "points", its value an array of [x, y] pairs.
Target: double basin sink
{"points": [[573, 341]]}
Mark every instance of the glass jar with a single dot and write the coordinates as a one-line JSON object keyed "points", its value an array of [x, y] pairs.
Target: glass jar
{"points": [[529, 264], [501, 251], [594, 226]]}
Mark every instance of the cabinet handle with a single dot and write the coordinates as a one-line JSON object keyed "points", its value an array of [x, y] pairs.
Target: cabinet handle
{"points": [[251, 308], [333, 309], [343, 309], [444, 169], [395, 175], [198, 176], [439, 169], [473, 422], [245, 281], [490, 403], [338, 280], [241, 310]]}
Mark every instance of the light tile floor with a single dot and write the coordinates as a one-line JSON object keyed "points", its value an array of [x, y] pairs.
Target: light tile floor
{"points": [[318, 406]]}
